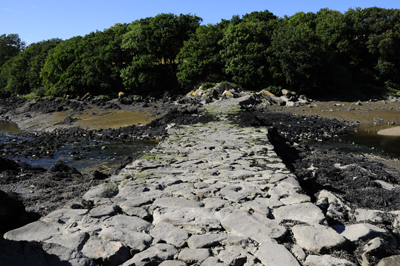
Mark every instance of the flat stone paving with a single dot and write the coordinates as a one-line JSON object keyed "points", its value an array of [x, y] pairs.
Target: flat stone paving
{"points": [[210, 194]]}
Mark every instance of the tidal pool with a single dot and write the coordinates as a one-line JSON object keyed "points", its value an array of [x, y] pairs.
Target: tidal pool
{"points": [[9, 127], [368, 136], [84, 157]]}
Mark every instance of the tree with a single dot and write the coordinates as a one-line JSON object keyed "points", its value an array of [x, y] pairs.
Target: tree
{"points": [[335, 35], [24, 72], [91, 63], [10, 45], [199, 58], [153, 44], [102, 59], [297, 56], [373, 45], [5, 74], [61, 71], [258, 16], [244, 53]]}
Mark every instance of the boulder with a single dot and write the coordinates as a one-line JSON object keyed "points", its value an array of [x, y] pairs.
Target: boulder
{"points": [[303, 212], [153, 255], [254, 225], [327, 260], [318, 238], [191, 256], [108, 252], [273, 254], [170, 234]]}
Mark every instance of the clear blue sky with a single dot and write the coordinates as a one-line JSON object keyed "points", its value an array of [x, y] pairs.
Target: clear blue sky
{"points": [[37, 20]]}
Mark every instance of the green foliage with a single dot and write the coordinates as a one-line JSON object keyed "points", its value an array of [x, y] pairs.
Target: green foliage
{"points": [[110, 190], [244, 53], [10, 46], [207, 85], [373, 45], [226, 85], [277, 90], [199, 58], [297, 58], [61, 70], [24, 75], [92, 63], [5, 75], [311, 53], [153, 44]]}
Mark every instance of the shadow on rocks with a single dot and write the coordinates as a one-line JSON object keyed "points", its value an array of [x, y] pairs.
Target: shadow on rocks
{"points": [[13, 214], [22, 253]]}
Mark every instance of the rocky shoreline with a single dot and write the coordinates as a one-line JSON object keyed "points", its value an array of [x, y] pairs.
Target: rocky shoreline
{"points": [[223, 187]]}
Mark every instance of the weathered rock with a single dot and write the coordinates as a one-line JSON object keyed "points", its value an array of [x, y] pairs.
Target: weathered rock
{"points": [[176, 203], [103, 210], [136, 241], [192, 219], [191, 256], [234, 255], [298, 252], [363, 215], [205, 241], [106, 190], [170, 234], [272, 254], [356, 232], [375, 250], [63, 215], [109, 252], [172, 263], [303, 212], [390, 261], [130, 223], [318, 238], [36, 231], [22, 253], [153, 255], [73, 241], [327, 260], [254, 225]]}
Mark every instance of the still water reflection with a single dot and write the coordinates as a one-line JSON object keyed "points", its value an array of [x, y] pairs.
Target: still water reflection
{"points": [[368, 136], [9, 127], [92, 155]]}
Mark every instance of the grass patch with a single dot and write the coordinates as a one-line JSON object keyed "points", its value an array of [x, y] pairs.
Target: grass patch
{"points": [[151, 156], [144, 175], [30, 96], [111, 189]]}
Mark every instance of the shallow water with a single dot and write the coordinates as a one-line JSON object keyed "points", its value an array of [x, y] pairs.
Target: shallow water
{"points": [[9, 127], [94, 155], [97, 155], [368, 136]]}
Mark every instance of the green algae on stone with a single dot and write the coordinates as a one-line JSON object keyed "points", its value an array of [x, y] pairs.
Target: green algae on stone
{"points": [[151, 156]]}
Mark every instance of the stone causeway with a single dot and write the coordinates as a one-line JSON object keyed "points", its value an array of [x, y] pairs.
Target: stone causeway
{"points": [[209, 194]]}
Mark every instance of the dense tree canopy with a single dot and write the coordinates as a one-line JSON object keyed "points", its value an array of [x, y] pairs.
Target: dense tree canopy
{"points": [[86, 64], [313, 53], [199, 58], [153, 44], [24, 71], [10, 46]]}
